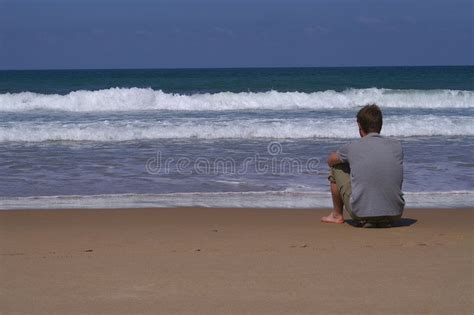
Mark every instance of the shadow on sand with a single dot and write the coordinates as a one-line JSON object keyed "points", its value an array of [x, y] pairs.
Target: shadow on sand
{"points": [[400, 223]]}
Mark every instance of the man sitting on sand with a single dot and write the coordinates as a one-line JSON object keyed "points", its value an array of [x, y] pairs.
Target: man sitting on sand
{"points": [[367, 174]]}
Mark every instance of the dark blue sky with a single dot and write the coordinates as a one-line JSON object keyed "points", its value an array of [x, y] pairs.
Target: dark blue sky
{"points": [[52, 34]]}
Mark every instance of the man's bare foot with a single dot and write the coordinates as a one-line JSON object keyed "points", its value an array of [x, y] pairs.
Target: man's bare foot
{"points": [[333, 218]]}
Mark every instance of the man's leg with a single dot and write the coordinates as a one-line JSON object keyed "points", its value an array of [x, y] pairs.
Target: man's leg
{"points": [[340, 189], [338, 204]]}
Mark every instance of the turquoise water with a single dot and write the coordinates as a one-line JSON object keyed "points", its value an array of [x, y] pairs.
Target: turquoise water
{"points": [[190, 81], [217, 137]]}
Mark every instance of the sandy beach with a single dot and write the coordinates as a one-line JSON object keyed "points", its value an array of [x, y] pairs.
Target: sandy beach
{"points": [[233, 261]]}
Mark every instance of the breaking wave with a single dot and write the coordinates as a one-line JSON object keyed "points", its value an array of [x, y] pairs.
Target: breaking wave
{"points": [[408, 126], [138, 99]]}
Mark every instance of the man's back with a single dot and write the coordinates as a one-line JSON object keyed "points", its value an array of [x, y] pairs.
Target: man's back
{"points": [[376, 167]]}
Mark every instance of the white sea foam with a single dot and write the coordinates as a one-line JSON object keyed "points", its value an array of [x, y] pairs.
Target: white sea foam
{"points": [[398, 126], [265, 199], [138, 99]]}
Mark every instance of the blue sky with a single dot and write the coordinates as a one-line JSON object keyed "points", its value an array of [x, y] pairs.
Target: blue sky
{"points": [[58, 34]]}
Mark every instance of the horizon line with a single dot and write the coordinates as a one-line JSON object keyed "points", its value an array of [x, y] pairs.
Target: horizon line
{"points": [[237, 68]]}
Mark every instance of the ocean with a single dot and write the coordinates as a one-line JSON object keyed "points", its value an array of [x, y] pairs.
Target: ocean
{"points": [[225, 137]]}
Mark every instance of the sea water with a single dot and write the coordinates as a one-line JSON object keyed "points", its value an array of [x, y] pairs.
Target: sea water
{"points": [[224, 137]]}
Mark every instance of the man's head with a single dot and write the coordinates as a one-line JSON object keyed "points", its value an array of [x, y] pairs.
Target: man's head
{"points": [[369, 119]]}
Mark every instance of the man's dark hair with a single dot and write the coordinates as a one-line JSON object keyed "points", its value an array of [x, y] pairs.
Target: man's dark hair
{"points": [[370, 118]]}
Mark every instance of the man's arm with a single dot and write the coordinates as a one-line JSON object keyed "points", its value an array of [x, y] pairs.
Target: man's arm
{"points": [[334, 159]]}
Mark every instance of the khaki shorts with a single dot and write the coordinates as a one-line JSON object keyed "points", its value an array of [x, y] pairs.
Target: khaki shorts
{"points": [[341, 175]]}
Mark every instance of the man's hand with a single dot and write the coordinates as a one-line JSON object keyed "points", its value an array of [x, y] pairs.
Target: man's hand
{"points": [[334, 159]]}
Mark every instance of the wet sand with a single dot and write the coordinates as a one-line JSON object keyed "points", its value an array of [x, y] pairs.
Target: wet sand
{"points": [[233, 261]]}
